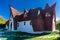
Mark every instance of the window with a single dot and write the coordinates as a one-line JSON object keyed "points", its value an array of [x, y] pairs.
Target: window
{"points": [[11, 25], [24, 22], [38, 12], [47, 14], [30, 23], [17, 24]]}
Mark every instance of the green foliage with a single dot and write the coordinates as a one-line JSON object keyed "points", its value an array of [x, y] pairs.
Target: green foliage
{"points": [[2, 20], [33, 36], [58, 25], [2, 25]]}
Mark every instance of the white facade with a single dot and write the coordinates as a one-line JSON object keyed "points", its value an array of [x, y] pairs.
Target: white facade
{"points": [[11, 25], [6, 27], [28, 28], [53, 26], [25, 27]]}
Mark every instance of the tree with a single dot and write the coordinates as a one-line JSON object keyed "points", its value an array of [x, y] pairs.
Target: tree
{"points": [[2, 20], [58, 26]]}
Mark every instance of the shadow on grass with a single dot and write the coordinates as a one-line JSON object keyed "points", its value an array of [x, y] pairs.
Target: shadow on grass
{"points": [[57, 38], [24, 38], [22, 34]]}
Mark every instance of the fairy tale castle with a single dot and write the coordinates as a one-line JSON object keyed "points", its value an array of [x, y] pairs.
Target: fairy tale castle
{"points": [[35, 20]]}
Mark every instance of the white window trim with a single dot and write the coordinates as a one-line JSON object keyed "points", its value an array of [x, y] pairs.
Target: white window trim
{"points": [[47, 14], [38, 12]]}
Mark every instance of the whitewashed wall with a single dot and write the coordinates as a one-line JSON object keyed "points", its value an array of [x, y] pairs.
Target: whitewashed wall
{"points": [[53, 26], [6, 27], [28, 28], [11, 21], [25, 28]]}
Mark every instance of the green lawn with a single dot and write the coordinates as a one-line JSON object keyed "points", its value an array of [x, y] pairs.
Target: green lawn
{"points": [[17, 38], [41, 39], [35, 36], [3, 38]]}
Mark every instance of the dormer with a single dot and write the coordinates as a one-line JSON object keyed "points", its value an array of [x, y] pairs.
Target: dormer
{"points": [[47, 14]]}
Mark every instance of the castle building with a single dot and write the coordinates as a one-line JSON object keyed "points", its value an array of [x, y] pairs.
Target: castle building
{"points": [[35, 20]]}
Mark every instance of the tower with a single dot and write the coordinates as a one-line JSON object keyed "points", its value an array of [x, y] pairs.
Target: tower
{"points": [[49, 15]]}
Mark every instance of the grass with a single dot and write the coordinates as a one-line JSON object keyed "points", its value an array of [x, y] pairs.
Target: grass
{"points": [[23, 33], [36, 36], [17, 38], [3, 38], [42, 39]]}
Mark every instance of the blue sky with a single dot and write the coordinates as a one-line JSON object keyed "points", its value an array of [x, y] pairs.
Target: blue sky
{"points": [[21, 4]]}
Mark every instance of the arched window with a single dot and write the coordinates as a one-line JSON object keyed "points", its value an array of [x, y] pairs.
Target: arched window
{"points": [[38, 12], [11, 24], [17, 24], [47, 14], [30, 23], [24, 22]]}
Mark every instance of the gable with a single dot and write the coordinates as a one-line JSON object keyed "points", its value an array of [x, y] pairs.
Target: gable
{"points": [[14, 12]]}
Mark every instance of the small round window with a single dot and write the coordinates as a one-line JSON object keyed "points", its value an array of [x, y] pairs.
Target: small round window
{"points": [[47, 14]]}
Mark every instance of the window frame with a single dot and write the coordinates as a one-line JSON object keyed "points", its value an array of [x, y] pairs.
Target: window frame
{"points": [[24, 23], [47, 14]]}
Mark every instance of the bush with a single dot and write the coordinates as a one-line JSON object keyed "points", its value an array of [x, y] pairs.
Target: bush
{"points": [[2, 25], [58, 26]]}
